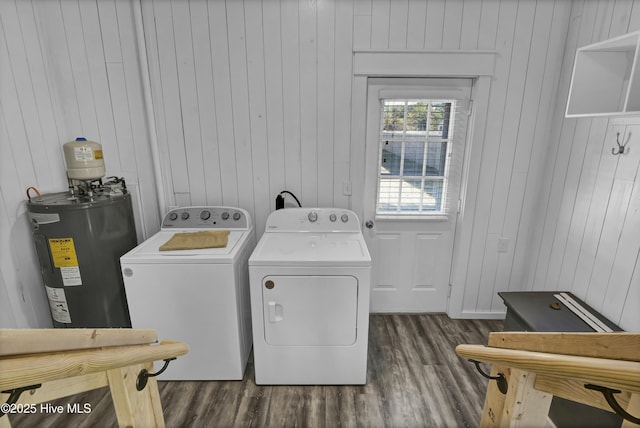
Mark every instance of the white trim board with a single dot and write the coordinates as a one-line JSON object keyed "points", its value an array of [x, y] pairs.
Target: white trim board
{"points": [[424, 63], [479, 315]]}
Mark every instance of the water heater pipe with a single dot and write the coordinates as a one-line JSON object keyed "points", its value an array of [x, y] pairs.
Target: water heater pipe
{"points": [[151, 122]]}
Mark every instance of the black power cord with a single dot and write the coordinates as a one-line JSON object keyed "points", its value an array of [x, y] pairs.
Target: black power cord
{"points": [[280, 199]]}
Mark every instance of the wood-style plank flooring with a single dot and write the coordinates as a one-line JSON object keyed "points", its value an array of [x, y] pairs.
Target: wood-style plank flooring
{"points": [[414, 379]]}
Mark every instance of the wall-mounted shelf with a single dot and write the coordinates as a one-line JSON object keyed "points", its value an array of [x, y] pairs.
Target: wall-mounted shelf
{"points": [[606, 78]]}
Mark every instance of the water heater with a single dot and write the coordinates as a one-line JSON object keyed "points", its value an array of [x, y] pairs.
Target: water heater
{"points": [[79, 236]]}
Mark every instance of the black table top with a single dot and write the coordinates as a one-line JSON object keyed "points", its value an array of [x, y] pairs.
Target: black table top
{"points": [[534, 309]]}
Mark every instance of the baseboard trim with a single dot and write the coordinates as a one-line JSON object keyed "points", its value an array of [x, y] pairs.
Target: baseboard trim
{"points": [[481, 315]]}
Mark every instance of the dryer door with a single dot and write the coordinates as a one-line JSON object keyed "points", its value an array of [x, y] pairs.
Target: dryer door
{"points": [[310, 310]]}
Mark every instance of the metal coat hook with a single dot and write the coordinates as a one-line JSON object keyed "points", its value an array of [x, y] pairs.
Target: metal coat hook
{"points": [[620, 146], [501, 380], [14, 395], [611, 400], [144, 374]]}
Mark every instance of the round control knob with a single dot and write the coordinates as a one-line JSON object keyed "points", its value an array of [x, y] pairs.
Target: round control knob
{"points": [[344, 218], [204, 215], [333, 217], [369, 224], [225, 215], [173, 216], [185, 215], [128, 272], [236, 216], [313, 216]]}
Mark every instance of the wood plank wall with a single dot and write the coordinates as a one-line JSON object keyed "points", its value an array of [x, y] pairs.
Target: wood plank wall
{"points": [[588, 241], [281, 90], [253, 97], [529, 38]]}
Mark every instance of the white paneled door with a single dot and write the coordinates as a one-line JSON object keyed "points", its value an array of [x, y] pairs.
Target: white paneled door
{"points": [[416, 132]]}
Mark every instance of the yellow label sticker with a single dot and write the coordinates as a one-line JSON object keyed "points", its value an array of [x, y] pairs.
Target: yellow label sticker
{"points": [[64, 252], [97, 154]]}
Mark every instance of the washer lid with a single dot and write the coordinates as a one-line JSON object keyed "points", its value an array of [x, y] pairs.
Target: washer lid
{"points": [[149, 251], [308, 248]]}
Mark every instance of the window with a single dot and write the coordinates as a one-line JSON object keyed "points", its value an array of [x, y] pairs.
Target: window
{"points": [[415, 136]]}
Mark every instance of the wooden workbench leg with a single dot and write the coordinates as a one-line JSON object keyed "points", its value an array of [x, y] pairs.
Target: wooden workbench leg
{"points": [[135, 408], [494, 400], [524, 405]]}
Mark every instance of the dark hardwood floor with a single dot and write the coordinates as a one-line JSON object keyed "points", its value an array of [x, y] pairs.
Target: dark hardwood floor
{"points": [[415, 379]]}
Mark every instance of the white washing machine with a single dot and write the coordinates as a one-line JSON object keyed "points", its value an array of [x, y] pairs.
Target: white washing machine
{"points": [[310, 278], [197, 296]]}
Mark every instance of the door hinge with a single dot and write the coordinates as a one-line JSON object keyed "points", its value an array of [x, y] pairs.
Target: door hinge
{"points": [[470, 108], [459, 205], [449, 292]]}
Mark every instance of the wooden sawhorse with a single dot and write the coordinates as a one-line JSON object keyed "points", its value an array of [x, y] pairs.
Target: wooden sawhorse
{"points": [[54, 363], [580, 367]]}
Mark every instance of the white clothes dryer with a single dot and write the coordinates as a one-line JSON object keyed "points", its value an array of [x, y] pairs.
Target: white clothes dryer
{"points": [[310, 277], [196, 296]]}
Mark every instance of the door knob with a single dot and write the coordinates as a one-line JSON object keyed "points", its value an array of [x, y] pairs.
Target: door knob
{"points": [[369, 224]]}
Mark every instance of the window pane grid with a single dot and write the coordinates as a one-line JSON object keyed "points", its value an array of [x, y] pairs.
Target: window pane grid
{"points": [[414, 144]]}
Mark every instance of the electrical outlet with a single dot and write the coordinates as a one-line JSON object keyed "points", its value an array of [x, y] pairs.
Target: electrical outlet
{"points": [[346, 188], [503, 245]]}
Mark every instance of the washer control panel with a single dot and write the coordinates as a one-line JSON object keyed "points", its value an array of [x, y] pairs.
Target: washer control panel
{"points": [[206, 218], [313, 220]]}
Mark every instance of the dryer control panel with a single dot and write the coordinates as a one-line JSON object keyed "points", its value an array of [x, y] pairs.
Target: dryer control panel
{"points": [[313, 220], [207, 218]]}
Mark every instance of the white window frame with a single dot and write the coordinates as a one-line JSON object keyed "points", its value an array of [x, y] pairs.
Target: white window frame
{"points": [[444, 202], [418, 88]]}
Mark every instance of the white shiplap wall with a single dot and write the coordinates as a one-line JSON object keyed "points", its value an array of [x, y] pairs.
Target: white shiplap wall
{"points": [[252, 97], [589, 239], [67, 68], [266, 86]]}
